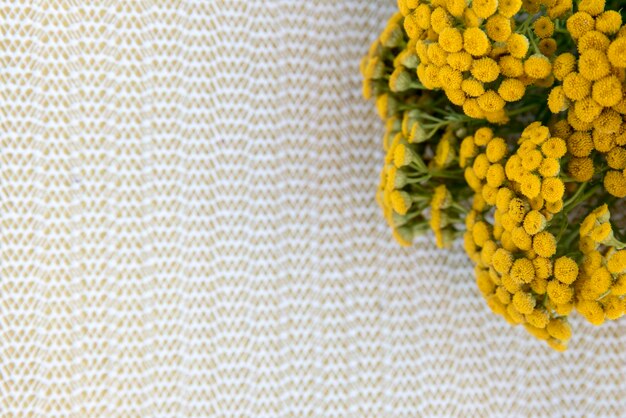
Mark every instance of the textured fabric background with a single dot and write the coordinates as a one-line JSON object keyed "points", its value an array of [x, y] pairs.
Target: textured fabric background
{"points": [[189, 230]]}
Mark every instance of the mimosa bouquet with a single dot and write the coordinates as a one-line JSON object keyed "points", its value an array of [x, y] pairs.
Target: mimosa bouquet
{"points": [[505, 125]]}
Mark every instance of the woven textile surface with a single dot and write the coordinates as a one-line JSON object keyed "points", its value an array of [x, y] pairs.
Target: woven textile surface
{"points": [[189, 230]]}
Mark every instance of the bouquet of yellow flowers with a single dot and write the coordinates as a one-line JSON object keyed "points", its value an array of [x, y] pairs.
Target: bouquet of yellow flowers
{"points": [[506, 125]]}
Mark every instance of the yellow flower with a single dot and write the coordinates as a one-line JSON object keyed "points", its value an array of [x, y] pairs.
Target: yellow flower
{"points": [[481, 233], [437, 55], [619, 287], [560, 8], [593, 64], [461, 61], [503, 199], [496, 150], [495, 175], [502, 261], [509, 8], [614, 307], [451, 40], [511, 67], [559, 329], [490, 101], [544, 244], [482, 136], [607, 91], [593, 7], [579, 23], [617, 262], [603, 142], [524, 302], [616, 158], [485, 70], [538, 318], [609, 22], [517, 45], [531, 160], [543, 267], [531, 185], [440, 19], [534, 222], [423, 14], [450, 78], [592, 311], [554, 148], [386, 105], [580, 144], [565, 270], [401, 202], [563, 65], [485, 284], [538, 66], [587, 109], [498, 28], [518, 209], [581, 169], [550, 167], [521, 239], [599, 282], [511, 90], [484, 8], [576, 87], [470, 19], [543, 27], [547, 46], [472, 109], [552, 189], [475, 42], [610, 122], [615, 183], [593, 40], [467, 150], [456, 7], [472, 87]]}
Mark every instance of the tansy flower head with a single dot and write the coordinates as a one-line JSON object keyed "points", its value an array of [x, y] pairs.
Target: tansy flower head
{"points": [[559, 329], [581, 169], [593, 64], [543, 27], [548, 47], [592, 311], [615, 183], [593, 7], [544, 244], [451, 40], [511, 90], [509, 8], [524, 302], [563, 65], [498, 28], [484, 8], [475, 42], [565, 270], [609, 22], [534, 222], [401, 202], [579, 23], [538, 66], [593, 40], [485, 70], [552, 189], [617, 52]]}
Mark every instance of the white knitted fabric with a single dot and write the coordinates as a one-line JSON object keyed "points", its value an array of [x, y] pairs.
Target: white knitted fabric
{"points": [[189, 230]]}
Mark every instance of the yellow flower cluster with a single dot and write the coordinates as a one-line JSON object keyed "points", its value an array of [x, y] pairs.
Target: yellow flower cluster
{"points": [[601, 287], [478, 54], [529, 187], [591, 90], [516, 268]]}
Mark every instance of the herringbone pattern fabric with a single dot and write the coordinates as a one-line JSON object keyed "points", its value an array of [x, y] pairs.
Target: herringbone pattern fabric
{"points": [[189, 230]]}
